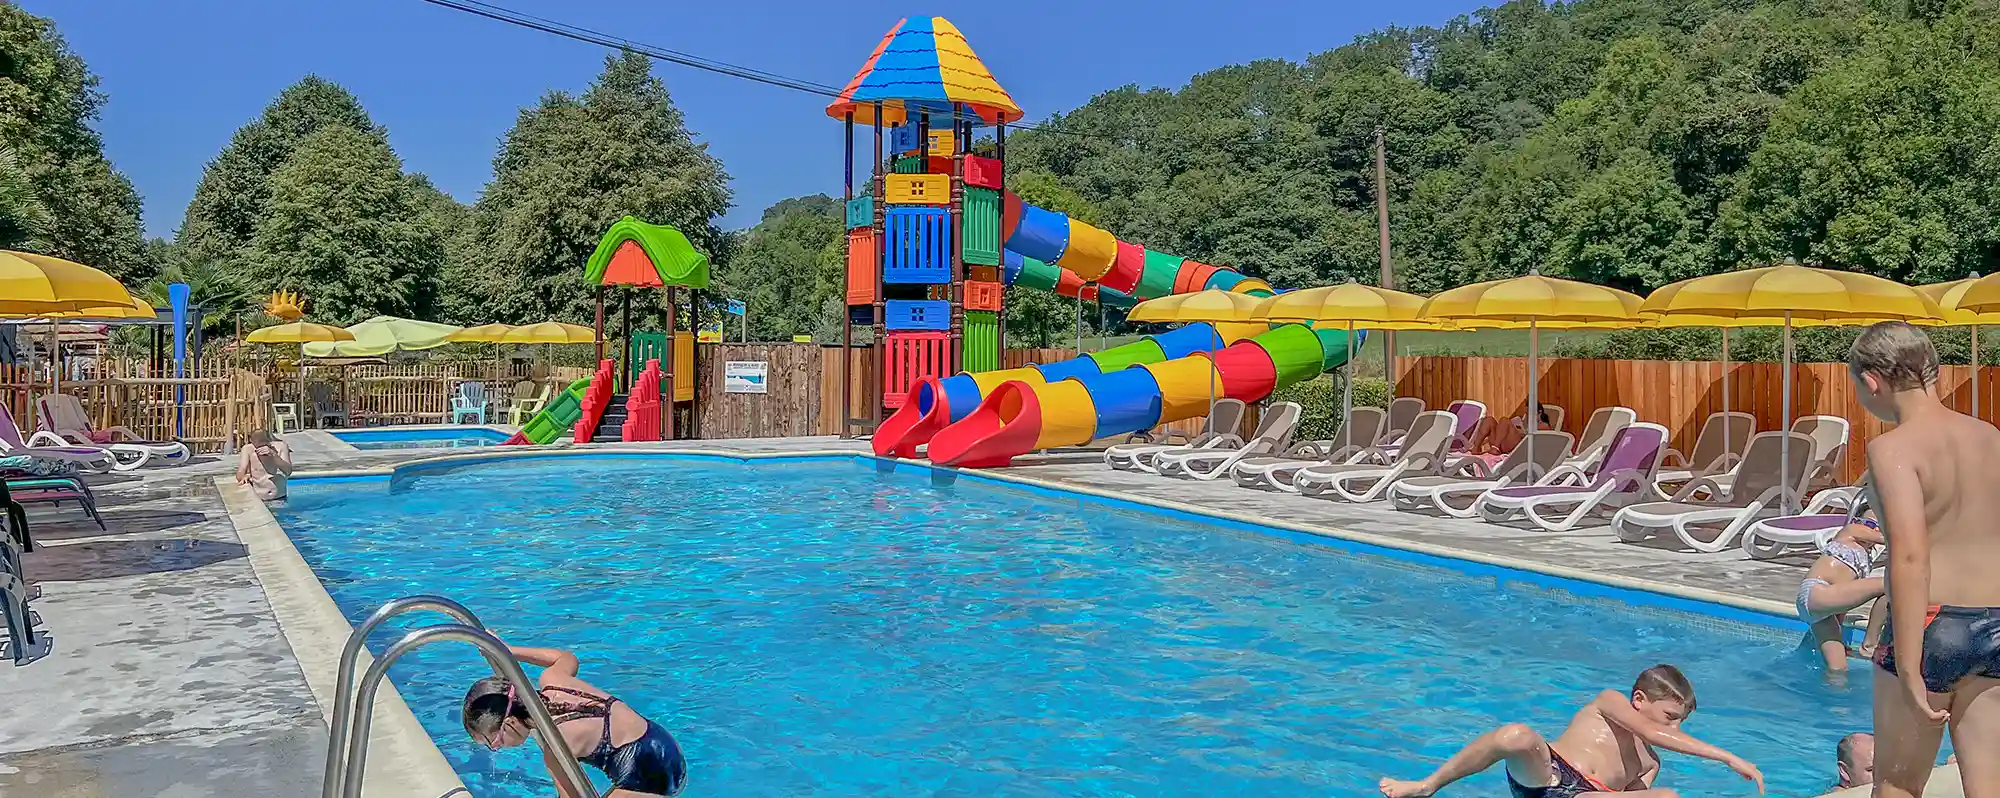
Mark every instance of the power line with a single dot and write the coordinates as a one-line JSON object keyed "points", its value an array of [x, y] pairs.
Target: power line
{"points": [[602, 39]]}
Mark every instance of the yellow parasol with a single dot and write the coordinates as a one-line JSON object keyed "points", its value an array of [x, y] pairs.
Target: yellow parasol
{"points": [[1785, 296], [482, 334], [37, 284], [1536, 301], [551, 332], [301, 333], [1347, 305], [1951, 297]]}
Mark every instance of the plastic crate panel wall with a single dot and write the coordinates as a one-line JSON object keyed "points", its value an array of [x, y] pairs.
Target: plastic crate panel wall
{"points": [[861, 258], [912, 356], [918, 245], [982, 341], [982, 226], [925, 315], [860, 212]]}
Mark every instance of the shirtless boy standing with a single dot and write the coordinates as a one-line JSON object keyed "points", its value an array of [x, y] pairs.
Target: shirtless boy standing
{"points": [[1608, 747], [1937, 480]]}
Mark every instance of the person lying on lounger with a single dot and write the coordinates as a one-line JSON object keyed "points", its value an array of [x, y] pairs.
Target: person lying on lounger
{"points": [[1608, 747], [1492, 441], [1839, 582], [640, 757]]}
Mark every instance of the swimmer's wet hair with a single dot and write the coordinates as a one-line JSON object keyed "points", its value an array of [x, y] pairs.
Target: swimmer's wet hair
{"points": [[1665, 683], [1897, 353], [488, 704]]}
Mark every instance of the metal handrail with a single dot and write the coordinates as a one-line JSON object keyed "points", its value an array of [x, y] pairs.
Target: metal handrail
{"points": [[569, 774], [343, 689]]}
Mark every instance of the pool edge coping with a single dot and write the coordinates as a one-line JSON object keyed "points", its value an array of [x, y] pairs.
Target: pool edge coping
{"points": [[403, 760]]}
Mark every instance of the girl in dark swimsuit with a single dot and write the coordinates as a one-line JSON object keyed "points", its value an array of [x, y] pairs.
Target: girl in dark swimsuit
{"points": [[640, 757]]}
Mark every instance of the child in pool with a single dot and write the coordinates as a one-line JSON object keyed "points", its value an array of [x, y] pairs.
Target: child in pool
{"points": [[640, 757], [1840, 581], [1608, 747], [264, 465]]}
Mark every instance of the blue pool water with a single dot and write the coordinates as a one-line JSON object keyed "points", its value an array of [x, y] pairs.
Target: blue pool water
{"points": [[422, 438], [819, 628]]}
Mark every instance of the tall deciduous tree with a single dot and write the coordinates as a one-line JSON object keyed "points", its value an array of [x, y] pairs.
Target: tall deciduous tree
{"points": [[788, 268], [48, 102], [233, 195], [570, 167], [341, 228]]}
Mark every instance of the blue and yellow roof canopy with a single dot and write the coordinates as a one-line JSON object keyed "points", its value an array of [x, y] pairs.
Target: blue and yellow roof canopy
{"points": [[923, 65]]}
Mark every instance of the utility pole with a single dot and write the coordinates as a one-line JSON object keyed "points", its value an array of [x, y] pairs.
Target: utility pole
{"points": [[1388, 279]]}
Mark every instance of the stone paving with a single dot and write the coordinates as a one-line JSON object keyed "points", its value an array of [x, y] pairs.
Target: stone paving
{"points": [[170, 676]]}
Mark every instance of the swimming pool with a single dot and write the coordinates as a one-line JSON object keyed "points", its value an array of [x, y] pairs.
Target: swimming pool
{"points": [[421, 437], [821, 628]]}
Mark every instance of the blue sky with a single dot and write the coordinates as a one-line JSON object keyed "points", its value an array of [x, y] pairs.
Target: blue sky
{"points": [[183, 75]]}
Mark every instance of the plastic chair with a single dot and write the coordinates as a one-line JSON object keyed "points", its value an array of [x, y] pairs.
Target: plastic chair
{"points": [[470, 400], [528, 400], [286, 416]]}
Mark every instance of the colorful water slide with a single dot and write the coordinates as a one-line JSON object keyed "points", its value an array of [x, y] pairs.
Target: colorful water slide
{"points": [[986, 419]]}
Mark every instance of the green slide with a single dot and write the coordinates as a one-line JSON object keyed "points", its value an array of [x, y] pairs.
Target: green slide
{"points": [[555, 420]]}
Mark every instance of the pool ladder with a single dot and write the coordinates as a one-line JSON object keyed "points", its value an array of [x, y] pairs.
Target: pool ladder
{"points": [[354, 706]]}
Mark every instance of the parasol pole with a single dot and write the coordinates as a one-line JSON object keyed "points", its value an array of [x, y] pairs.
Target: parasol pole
{"points": [[1785, 443], [1975, 372], [1533, 417], [1725, 397], [301, 405], [1347, 393]]}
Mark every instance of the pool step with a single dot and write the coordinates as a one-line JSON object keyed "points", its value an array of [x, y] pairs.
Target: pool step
{"points": [[611, 427]]}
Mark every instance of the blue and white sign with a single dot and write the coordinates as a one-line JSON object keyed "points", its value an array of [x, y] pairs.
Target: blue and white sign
{"points": [[736, 307], [745, 376]]}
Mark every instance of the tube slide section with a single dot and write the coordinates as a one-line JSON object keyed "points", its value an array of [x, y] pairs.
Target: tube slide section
{"points": [[1120, 390]]}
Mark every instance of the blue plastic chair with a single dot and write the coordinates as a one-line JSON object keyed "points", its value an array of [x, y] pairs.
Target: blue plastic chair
{"points": [[470, 400]]}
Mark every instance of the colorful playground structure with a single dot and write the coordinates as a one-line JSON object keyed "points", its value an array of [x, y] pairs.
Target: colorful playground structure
{"points": [[625, 399], [937, 240]]}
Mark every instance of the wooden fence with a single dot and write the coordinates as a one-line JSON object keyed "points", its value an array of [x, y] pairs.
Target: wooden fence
{"points": [[1677, 394]]}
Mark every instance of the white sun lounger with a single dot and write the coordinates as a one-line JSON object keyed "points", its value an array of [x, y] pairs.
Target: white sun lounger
{"points": [[1622, 476], [1526, 464], [1274, 434], [1718, 447], [1422, 452], [1823, 517], [1352, 444], [64, 415], [1757, 490], [1598, 432], [1829, 436], [1220, 431], [88, 458]]}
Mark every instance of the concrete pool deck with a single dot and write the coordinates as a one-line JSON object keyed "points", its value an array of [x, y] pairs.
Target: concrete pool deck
{"points": [[192, 649]]}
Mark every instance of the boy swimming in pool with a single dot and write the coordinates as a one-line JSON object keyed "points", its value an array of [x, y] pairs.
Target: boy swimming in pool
{"points": [[1608, 747], [1936, 478]]}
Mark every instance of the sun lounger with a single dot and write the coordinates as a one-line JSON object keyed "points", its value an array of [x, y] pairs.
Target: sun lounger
{"points": [[1353, 443], [1220, 431], [1757, 489], [1823, 517], [1421, 452], [1720, 445], [1829, 436], [53, 491], [1598, 432], [64, 415], [1524, 465], [1403, 411], [1465, 414], [1622, 476], [88, 458], [1274, 434]]}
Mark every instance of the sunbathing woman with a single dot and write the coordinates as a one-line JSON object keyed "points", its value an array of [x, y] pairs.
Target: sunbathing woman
{"points": [[1840, 581], [640, 757], [1492, 441]]}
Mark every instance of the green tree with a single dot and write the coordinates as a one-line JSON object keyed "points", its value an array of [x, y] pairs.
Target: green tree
{"points": [[48, 102], [235, 189], [342, 229], [570, 167], [789, 268]]}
